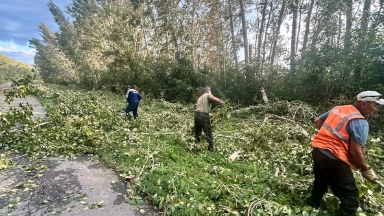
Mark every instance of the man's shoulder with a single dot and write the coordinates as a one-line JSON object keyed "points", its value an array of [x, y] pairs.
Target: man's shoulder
{"points": [[132, 91], [359, 122], [209, 95]]}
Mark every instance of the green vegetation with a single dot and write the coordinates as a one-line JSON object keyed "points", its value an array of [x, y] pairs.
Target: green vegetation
{"points": [[157, 156], [11, 69]]}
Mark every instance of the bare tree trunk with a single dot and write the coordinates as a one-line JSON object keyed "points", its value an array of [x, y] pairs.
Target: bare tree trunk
{"points": [[250, 53], [265, 36], [299, 27], [363, 31], [340, 27], [244, 26], [264, 95], [365, 18], [348, 24], [234, 53], [307, 25], [277, 32], [260, 38], [295, 5]]}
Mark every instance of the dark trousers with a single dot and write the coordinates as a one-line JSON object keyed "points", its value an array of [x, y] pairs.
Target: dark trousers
{"points": [[133, 106], [338, 176], [202, 122]]}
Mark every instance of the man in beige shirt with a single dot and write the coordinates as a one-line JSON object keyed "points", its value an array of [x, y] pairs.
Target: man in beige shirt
{"points": [[202, 121]]}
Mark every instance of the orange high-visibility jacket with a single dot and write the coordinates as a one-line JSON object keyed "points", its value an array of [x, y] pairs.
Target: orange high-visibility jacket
{"points": [[333, 134]]}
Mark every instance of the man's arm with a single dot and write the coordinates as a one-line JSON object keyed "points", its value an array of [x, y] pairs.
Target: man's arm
{"points": [[139, 96], [356, 153], [320, 120], [318, 123], [358, 130], [215, 99], [128, 92]]}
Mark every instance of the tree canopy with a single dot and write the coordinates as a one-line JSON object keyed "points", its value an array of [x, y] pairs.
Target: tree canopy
{"points": [[310, 50]]}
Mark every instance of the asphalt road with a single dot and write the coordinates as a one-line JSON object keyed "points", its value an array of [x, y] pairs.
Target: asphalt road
{"points": [[61, 187]]}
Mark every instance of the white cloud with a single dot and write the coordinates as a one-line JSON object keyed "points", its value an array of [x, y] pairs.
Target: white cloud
{"points": [[2, 49], [30, 52], [21, 53], [8, 46]]}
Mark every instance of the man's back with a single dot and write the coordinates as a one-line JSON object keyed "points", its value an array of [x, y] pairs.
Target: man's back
{"points": [[204, 103], [133, 96]]}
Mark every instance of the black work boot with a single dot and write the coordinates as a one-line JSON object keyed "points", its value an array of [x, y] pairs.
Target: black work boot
{"points": [[211, 148]]}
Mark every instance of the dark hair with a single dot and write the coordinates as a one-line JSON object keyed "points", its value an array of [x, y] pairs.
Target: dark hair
{"points": [[129, 86]]}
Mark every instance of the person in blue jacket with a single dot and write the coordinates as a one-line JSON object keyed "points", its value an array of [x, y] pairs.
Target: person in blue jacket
{"points": [[133, 98]]}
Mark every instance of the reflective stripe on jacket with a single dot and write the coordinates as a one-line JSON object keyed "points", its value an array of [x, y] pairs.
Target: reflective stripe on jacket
{"points": [[333, 134]]}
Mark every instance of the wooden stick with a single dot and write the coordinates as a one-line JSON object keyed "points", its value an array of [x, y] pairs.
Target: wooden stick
{"points": [[379, 183], [234, 156]]}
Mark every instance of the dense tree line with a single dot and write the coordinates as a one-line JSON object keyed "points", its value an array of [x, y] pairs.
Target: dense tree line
{"points": [[296, 49]]}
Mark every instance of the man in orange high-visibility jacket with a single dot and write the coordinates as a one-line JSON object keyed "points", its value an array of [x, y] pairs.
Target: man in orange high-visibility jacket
{"points": [[338, 147]]}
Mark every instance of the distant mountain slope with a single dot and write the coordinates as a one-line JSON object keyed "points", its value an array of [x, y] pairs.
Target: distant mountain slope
{"points": [[7, 61], [11, 69]]}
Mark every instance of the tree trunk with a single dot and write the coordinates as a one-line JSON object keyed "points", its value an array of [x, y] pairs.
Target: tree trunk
{"points": [[234, 51], [307, 25], [298, 28], [250, 53], [348, 24], [277, 31], [295, 5], [260, 38], [265, 37], [244, 26], [365, 19], [363, 32], [340, 27]]}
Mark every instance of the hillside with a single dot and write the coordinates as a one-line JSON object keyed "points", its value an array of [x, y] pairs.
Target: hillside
{"points": [[7, 61], [12, 69]]}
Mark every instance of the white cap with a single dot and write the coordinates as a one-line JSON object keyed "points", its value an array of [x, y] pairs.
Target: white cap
{"points": [[370, 96]]}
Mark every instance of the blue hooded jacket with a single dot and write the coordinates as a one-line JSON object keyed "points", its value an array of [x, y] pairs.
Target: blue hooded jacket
{"points": [[133, 96]]}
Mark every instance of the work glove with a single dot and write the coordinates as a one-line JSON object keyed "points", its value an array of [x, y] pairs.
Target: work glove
{"points": [[370, 175]]}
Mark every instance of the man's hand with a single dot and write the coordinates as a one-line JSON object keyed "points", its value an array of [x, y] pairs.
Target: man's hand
{"points": [[370, 175]]}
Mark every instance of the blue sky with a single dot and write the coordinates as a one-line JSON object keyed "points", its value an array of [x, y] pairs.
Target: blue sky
{"points": [[19, 22]]}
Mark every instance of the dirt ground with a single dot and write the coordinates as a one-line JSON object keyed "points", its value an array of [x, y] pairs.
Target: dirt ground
{"points": [[60, 187]]}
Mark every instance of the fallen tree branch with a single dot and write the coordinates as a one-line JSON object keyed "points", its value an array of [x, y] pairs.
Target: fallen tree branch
{"points": [[231, 137], [304, 132], [16, 129], [254, 204], [168, 133], [230, 192], [150, 155]]}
